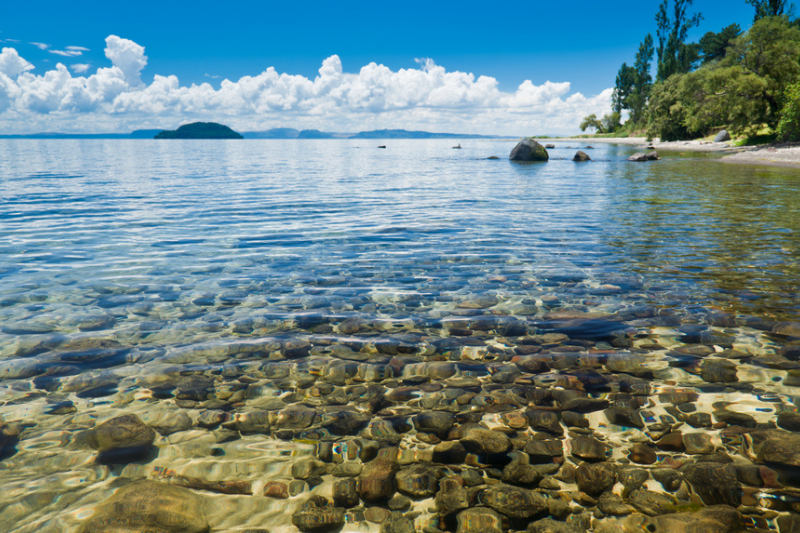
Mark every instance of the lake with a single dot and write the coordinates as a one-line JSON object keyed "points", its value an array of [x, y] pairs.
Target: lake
{"points": [[298, 318]]}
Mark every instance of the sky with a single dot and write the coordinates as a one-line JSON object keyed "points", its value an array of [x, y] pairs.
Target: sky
{"points": [[506, 68]]}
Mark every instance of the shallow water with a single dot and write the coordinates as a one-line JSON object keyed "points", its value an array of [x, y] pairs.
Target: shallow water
{"points": [[327, 273]]}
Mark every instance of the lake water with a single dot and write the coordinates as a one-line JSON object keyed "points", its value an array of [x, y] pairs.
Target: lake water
{"points": [[262, 303]]}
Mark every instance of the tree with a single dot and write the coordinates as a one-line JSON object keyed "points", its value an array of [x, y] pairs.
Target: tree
{"points": [[771, 8], [789, 125], [607, 124], [674, 55], [626, 78], [643, 81], [770, 50], [714, 46], [750, 87]]}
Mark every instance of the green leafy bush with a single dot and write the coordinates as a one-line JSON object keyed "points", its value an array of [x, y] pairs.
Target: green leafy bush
{"points": [[789, 125]]}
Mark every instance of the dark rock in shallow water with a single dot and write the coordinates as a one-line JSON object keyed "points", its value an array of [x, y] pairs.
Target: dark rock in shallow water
{"points": [[480, 440], [641, 157], [651, 503], [148, 506], [377, 480], [548, 525], [479, 520], [715, 519], [529, 150], [418, 481], [589, 449], [452, 496], [513, 501], [595, 478], [345, 493], [317, 514], [581, 156], [775, 446], [120, 439], [715, 483], [436, 422]]}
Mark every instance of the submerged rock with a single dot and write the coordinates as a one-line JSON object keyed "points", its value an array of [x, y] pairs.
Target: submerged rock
{"points": [[479, 520], [317, 514], [529, 150], [120, 439], [377, 480], [149, 506]]}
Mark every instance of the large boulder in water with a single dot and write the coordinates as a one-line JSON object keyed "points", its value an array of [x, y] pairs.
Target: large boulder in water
{"points": [[529, 150], [581, 156], [722, 136]]}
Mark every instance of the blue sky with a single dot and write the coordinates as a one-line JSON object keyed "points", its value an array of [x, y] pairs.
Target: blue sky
{"points": [[579, 42]]}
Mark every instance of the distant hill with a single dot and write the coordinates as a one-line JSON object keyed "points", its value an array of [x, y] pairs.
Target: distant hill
{"points": [[200, 130], [144, 134]]}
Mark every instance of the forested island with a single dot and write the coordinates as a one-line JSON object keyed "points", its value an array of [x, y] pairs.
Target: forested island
{"points": [[200, 130], [745, 82]]}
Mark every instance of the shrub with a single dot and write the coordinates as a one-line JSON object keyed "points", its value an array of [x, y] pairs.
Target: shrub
{"points": [[789, 125]]}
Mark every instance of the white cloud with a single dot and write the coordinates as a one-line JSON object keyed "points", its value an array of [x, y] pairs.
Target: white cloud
{"points": [[11, 64], [77, 48], [66, 53], [429, 97], [41, 46]]}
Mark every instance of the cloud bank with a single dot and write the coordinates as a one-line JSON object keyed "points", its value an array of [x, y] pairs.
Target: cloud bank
{"points": [[429, 97]]}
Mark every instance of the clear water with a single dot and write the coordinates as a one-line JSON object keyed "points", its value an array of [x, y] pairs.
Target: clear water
{"points": [[126, 263]]}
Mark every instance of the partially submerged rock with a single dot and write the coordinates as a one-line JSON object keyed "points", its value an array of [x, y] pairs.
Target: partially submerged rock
{"points": [[529, 150], [642, 157], [147, 507], [581, 156]]}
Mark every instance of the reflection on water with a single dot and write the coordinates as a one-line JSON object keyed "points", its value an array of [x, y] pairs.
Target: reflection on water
{"points": [[311, 333]]}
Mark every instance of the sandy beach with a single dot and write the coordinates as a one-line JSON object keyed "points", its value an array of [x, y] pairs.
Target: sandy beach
{"points": [[774, 154]]}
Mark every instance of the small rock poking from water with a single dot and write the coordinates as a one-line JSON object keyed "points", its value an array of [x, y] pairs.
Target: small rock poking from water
{"points": [[642, 157], [149, 506], [581, 156]]}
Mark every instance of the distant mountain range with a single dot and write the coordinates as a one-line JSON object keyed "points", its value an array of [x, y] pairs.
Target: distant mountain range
{"points": [[275, 133]]}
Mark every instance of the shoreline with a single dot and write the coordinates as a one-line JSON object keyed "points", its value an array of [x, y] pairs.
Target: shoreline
{"points": [[775, 155]]}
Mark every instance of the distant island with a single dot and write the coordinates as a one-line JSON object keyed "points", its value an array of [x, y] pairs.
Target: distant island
{"points": [[274, 133], [200, 130]]}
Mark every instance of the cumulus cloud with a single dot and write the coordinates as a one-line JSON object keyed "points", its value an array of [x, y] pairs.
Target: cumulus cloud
{"points": [[11, 64], [428, 97]]}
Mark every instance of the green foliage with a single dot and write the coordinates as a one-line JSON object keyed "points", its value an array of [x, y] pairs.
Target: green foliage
{"points": [[770, 50], [607, 124], [713, 46], [626, 79], [743, 91], [635, 83], [674, 55], [771, 8], [789, 124]]}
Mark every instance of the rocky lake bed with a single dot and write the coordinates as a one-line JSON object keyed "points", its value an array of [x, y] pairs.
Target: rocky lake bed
{"points": [[542, 365]]}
